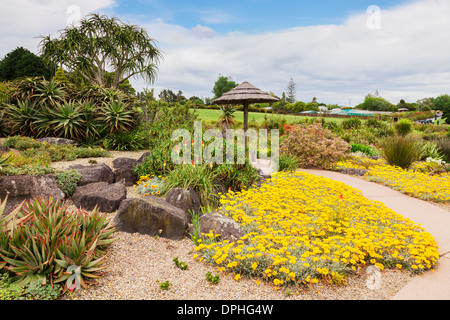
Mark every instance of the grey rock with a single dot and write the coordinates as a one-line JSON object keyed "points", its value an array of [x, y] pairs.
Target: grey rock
{"points": [[123, 171], [94, 173], [25, 187], [58, 141], [353, 171], [187, 200], [107, 197], [141, 159], [151, 215], [221, 224], [3, 148]]}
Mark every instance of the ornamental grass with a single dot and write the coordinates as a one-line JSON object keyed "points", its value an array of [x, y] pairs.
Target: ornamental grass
{"points": [[303, 229]]}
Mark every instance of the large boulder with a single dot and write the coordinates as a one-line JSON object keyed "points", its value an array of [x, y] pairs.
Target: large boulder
{"points": [[153, 216], [220, 224], [123, 171], [25, 187], [107, 197], [94, 173], [185, 199]]}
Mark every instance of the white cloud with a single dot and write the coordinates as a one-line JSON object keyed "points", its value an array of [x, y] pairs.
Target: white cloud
{"points": [[23, 21], [203, 31], [407, 58]]}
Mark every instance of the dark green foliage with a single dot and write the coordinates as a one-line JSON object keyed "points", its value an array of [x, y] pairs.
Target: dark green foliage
{"points": [[443, 103], [22, 63], [125, 141], [223, 85]]}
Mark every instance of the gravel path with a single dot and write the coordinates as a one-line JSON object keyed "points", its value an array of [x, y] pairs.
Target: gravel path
{"points": [[137, 264]]}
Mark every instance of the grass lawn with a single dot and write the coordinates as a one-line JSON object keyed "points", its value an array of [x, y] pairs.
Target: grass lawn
{"points": [[213, 115]]}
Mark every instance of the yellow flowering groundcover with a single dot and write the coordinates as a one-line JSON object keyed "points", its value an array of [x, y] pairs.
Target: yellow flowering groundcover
{"points": [[302, 228], [417, 181]]}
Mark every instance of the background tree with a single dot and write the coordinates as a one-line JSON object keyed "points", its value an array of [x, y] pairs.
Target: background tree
{"points": [[223, 85], [100, 44], [374, 103], [291, 91], [168, 95], [443, 103], [23, 63]]}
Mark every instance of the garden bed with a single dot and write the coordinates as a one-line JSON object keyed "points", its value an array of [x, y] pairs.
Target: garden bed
{"points": [[137, 264]]}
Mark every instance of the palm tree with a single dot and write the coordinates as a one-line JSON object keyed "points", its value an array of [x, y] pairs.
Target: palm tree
{"points": [[226, 118]]}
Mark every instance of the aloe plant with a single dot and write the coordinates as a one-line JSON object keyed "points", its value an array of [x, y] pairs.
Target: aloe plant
{"points": [[44, 240]]}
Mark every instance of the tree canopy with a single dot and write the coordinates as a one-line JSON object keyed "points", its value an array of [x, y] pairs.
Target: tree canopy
{"points": [[100, 44], [23, 63], [223, 85]]}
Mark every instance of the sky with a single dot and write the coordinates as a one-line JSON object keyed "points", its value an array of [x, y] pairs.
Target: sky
{"points": [[337, 51]]}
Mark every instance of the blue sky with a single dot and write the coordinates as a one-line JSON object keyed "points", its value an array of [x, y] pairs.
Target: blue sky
{"points": [[337, 51], [247, 16]]}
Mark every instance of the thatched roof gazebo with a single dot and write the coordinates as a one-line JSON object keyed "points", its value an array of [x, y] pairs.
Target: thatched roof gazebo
{"points": [[245, 94]]}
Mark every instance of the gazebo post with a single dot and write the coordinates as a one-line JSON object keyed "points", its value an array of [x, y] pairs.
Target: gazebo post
{"points": [[246, 123]]}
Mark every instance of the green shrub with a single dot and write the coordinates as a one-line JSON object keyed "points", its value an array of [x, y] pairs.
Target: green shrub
{"points": [[68, 181], [198, 177], [235, 176], [158, 162], [351, 123], [22, 143], [288, 162], [443, 145], [374, 123], [368, 150], [400, 151], [403, 127], [124, 141]]}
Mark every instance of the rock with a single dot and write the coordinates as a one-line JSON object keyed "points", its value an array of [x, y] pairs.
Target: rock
{"points": [[153, 216], [353, 171], [3, 148], [123, 171], [107, 197], [58, 141], [221, 224], [187, 200], [94, 173], [25, 187], [141, 159]]}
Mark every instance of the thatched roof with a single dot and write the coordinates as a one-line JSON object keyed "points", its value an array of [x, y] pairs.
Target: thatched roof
{"points": [[245, 93]]}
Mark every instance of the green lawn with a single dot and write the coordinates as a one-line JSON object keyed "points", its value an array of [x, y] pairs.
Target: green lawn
{"points": [[213, 115]]}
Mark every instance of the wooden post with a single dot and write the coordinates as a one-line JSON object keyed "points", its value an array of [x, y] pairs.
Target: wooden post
{"points": [[246, 122]]}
